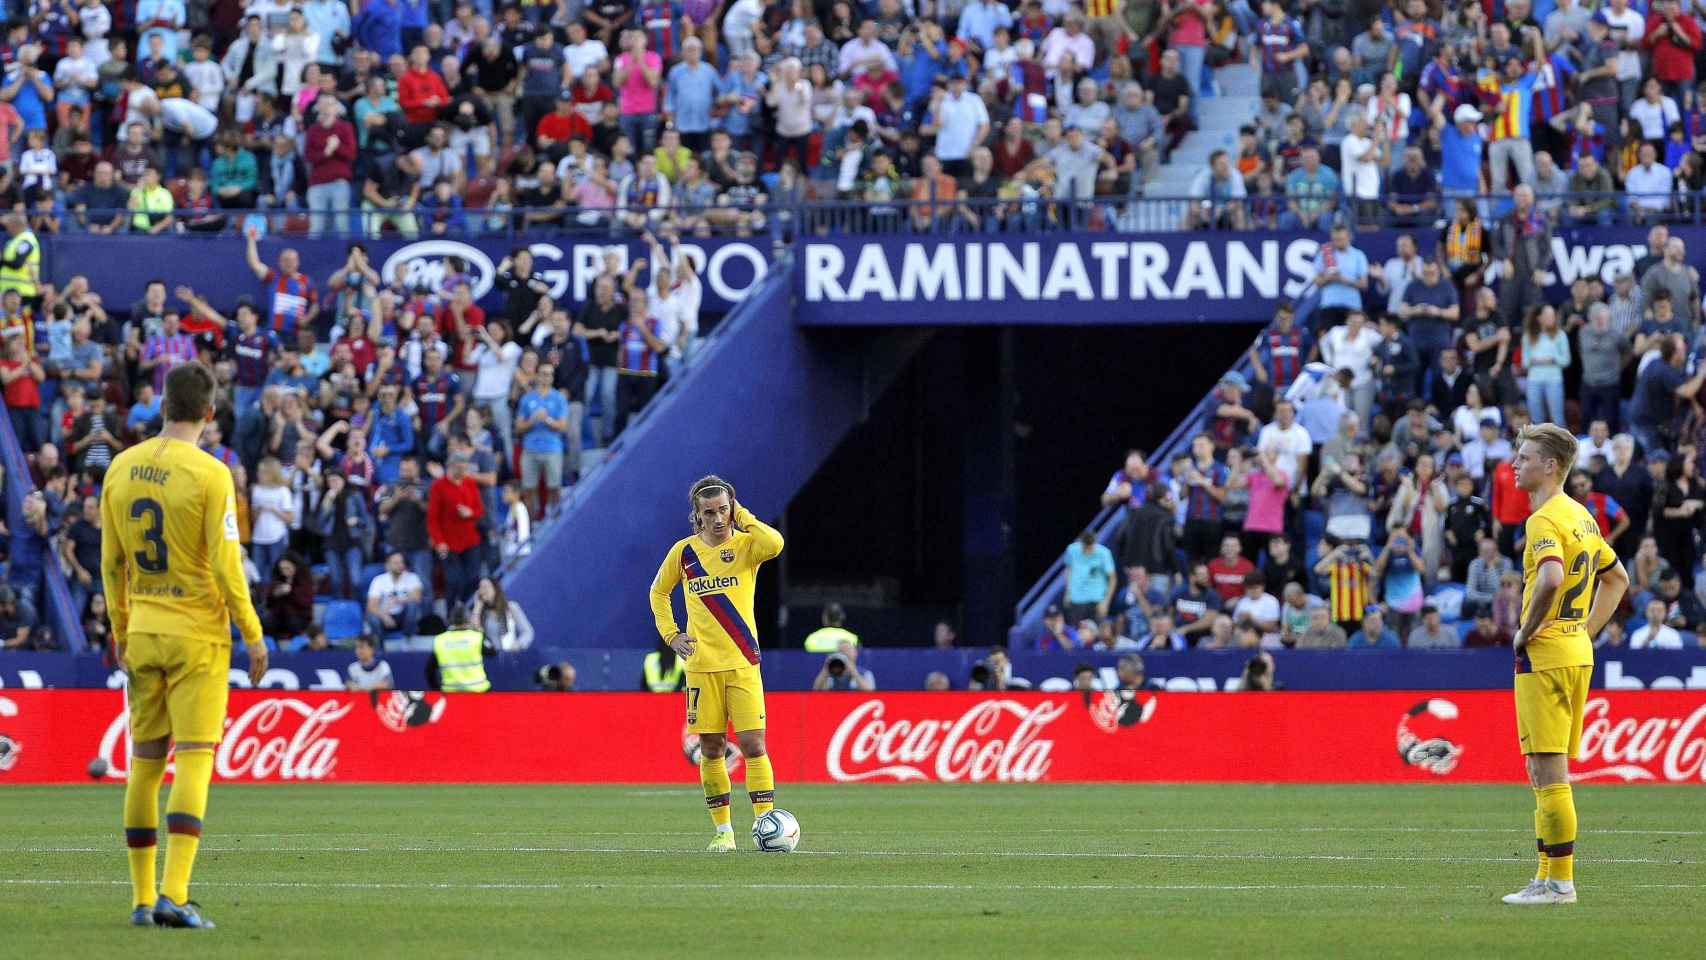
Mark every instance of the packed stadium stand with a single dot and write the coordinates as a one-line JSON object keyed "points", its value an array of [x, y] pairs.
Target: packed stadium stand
{"points": [[403, 437]]}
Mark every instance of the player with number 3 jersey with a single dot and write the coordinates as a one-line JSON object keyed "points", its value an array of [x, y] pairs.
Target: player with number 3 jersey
{"points": [[173, 572]]}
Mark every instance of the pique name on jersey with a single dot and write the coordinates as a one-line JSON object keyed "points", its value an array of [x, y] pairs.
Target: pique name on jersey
{"points": [[700, 585], [147, 473]]}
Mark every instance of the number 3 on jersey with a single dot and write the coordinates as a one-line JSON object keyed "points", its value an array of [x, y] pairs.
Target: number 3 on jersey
{"points": [[151, 559]]}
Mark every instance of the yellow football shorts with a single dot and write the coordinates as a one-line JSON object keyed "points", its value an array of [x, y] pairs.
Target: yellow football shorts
{"points": [[178, 687], [715, 699], [1549, 706]]}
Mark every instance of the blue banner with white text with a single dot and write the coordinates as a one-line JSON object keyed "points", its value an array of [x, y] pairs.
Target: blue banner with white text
{"points": [[119, 267], [1110, 278]]}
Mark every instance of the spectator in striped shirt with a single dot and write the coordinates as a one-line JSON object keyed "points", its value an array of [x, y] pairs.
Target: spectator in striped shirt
{"points": [[1205, 487], [165, 350], [292, 300]]}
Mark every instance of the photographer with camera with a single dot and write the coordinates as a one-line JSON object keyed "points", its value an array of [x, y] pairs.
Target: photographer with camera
{"points": [[1259, 673], [556, 677], [840, 671]]}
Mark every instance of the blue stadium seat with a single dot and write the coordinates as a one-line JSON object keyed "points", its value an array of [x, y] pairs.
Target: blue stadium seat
{"points": [[343, 620]]}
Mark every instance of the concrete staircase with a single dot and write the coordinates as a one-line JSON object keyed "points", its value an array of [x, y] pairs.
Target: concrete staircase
{"points": [[1234, 104]]}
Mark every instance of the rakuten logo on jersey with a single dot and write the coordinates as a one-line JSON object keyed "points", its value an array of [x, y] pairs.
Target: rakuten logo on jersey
{"points": [[994, 740], [271, 740], [1672, 749]]}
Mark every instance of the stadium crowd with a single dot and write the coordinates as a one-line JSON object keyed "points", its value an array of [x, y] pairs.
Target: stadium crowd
{"points": [[1357, 489]]}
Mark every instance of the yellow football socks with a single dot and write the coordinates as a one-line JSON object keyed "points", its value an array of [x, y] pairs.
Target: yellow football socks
{"points": [[760, 784], [142, 824], [184, 809], [714, 777], [1558, 830], [1539, 841]]}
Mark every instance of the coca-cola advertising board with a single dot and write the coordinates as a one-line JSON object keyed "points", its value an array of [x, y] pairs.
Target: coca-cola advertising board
{"points": [[53, 736]]}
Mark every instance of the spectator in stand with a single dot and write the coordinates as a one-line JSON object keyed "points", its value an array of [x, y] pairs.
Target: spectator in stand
{"points": [[1649, 186], [542, 420], [1312, 192], [1204, 480], [368, 671], [1056, 635], [1322, 633], [1486, 632], [420, 91], [1373, 633], [1351, 346], [1430, 634], [395, 599], [1229, 571], [330, 152], [1195, 604], [1089, 579], [454, 510]]}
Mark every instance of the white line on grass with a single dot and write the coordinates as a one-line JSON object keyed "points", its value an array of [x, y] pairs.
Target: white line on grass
{"points": [[967, 887], [937, 854]]}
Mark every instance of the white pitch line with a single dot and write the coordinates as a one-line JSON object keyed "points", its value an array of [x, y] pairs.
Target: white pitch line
{"points": [[937, 854], [967, 887]]}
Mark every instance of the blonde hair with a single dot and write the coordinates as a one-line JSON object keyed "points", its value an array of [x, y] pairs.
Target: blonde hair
{"points": [[268, 473], [1554, 441]]}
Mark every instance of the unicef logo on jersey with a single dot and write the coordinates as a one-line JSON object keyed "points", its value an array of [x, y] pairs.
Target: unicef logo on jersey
{"points": [[427, 263]]}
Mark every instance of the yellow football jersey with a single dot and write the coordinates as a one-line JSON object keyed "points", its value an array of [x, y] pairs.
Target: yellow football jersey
{"points": [[169, 551], [718, 586], [1563, 530]]}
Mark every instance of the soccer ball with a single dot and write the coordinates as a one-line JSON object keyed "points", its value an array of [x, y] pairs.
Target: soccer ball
{"points": [[776, 832]]}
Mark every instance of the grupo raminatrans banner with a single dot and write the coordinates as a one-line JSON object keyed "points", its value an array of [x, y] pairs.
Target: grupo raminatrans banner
{"points": [[51, 736], [119, 267], [1111, 278]]}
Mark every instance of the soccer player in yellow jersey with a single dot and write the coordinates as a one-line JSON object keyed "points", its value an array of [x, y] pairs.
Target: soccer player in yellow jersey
{"points": [[718, 568], [1564, 559], [174, 582]]}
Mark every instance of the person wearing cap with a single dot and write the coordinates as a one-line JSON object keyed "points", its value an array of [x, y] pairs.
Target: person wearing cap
{"points": [[554, 130], [1056, 634], [1461, 146]]}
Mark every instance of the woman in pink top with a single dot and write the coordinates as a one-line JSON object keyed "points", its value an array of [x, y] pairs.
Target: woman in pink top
{"points": [[638, 76], [1186, 23], [1269, 487]]}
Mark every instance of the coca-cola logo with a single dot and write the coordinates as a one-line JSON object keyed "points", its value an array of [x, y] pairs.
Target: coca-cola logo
{"points": [[1628, 746], [994, 740], [274, 739]]}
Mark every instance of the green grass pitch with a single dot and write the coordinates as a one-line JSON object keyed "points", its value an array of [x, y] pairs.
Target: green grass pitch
{"points": [[883, 871]]}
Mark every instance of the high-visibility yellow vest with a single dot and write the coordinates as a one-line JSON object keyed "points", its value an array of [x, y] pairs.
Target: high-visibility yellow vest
{"points": [[657, 679], [21, 278], [827, 639], [460, 666], [146, 204]]}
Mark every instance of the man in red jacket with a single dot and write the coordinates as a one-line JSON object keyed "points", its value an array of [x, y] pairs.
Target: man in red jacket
{"points": [[1673, 35], [453, 524], [558, 127], [1510, 508], [329, 149], [420, 92]]}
